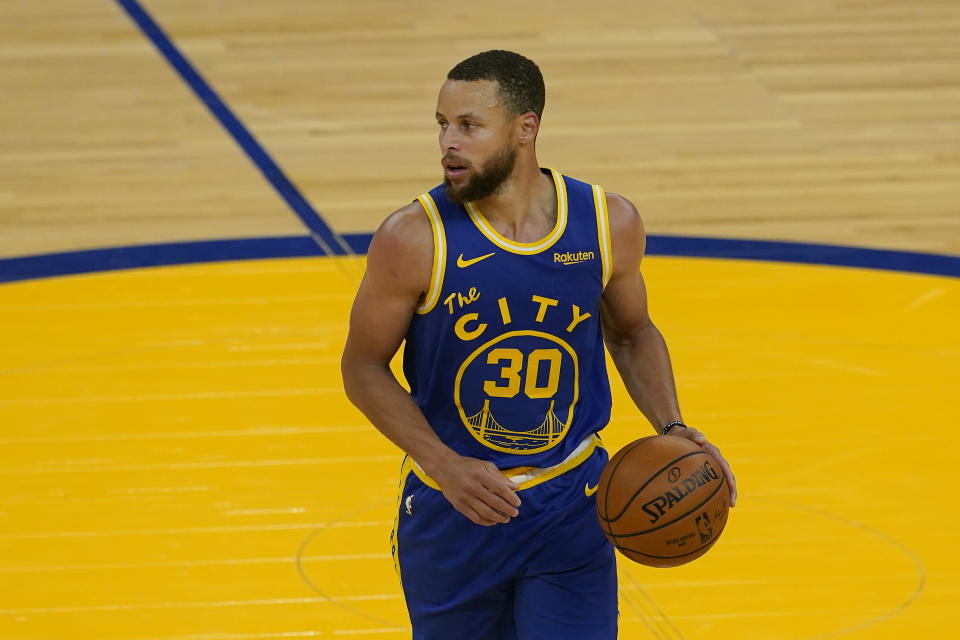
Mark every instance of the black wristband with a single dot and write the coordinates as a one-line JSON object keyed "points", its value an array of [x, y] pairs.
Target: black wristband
{"points": [[675, 423]]}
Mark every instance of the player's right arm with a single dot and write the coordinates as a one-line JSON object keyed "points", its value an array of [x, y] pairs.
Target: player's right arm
{"points": [[399, 268]]}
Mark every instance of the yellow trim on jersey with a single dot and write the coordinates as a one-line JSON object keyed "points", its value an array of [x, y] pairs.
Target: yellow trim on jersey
{"points": [[603, 232], [528, 477], [526, 248], [439, 254]]}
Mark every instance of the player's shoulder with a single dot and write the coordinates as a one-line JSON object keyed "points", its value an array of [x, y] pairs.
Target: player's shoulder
{"points": [[624, 217], [407, 228], [403, 244], [627, 234]]}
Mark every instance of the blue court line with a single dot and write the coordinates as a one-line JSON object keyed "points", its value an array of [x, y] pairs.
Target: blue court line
{"points": [[155, 255], [326, 237], [805, 253], [76, 262]]}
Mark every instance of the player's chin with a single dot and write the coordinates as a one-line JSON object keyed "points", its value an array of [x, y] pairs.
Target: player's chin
{"points": [[455, 191]]}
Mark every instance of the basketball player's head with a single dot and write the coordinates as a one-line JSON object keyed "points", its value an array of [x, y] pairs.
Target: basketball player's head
{"points": [[489, 111]]}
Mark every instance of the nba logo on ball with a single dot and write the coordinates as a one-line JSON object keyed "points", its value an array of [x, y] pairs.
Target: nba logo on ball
{"points": [[703, 526], [655, 499]]}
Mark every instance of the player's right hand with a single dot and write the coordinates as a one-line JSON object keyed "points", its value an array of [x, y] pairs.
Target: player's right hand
{"points": [[480, 491]]}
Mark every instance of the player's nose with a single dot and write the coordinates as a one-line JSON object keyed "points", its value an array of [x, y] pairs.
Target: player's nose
{"points": [[449, 140]]}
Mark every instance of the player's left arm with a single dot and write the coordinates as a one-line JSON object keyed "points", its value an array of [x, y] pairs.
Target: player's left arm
{"points": [[635, 344]]}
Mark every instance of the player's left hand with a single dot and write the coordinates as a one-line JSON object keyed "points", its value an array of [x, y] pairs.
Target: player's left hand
{"points": [[692, 434]]}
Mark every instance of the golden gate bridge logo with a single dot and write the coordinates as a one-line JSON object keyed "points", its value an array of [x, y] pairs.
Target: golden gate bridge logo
{"points": [[486, 428]]}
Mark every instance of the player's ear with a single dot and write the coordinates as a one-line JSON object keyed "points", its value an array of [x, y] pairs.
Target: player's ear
{"points": [[528, 126]]}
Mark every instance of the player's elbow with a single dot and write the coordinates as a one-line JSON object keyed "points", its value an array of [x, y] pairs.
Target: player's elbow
{"points": [[352, 385], [350, 374], [359, 375], [617, 338]]}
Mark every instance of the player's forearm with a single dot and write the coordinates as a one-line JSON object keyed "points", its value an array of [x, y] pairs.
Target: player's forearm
{"points": [[644, 365], [375, 391]]}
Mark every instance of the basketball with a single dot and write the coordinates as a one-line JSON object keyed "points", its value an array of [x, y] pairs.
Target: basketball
{"points": [[663, 501]]}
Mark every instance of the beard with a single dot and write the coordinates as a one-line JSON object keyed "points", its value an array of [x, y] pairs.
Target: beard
{"points": [[485, 180]]}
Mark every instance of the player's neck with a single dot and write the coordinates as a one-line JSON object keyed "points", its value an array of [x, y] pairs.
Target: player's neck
{"points": [[526, 199]]}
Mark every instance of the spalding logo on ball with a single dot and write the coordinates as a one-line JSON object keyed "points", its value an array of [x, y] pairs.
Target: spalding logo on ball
{"points": [[663, 501]]}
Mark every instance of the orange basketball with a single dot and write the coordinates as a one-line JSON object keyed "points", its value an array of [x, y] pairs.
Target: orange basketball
{"points": [[663, 501]]}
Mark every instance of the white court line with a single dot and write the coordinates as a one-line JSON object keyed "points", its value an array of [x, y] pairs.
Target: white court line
{"points": [[831, 614], [186, 302], [341, 557], [224, 635], [285, 346], [841, 366], [172, 466], [268, 393], [790, 580], [195, 605], [201, 364], [161, 490], [925, 298], [46, 535], [262, 512], [172, 435]]}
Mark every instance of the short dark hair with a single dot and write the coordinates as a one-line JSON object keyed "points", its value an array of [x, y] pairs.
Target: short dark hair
{"points": [[519, 79]]}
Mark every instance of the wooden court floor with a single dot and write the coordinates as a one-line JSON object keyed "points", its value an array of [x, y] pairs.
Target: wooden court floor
{"points": [[177, 459]]}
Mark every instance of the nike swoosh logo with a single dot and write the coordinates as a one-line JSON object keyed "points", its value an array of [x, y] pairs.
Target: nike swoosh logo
{"points": [[466, 263], [587, 490]]}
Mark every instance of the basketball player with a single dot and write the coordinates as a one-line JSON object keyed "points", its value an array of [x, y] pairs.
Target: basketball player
{"points": [[505, 282]]}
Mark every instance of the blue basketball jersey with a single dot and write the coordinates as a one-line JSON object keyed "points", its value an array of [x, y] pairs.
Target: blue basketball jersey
{"points": [[505, 356]]}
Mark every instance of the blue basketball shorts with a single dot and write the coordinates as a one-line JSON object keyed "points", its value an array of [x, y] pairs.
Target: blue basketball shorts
{"points": [[548, 574]]}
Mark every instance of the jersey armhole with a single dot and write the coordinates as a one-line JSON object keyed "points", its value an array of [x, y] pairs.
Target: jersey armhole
{"points": [[603, 231], [439, 254]]}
